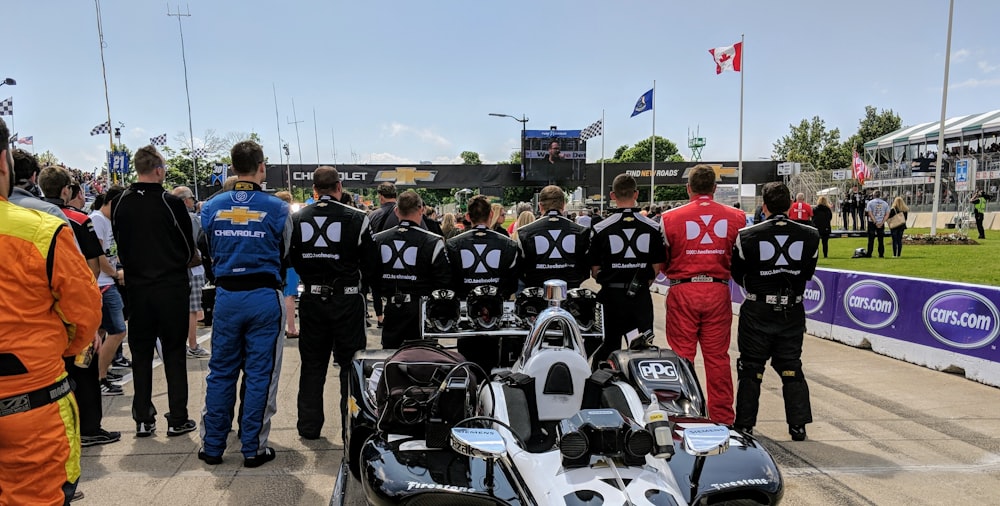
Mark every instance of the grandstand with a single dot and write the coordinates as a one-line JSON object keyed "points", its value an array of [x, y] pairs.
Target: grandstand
{"points": [[903, 162]]}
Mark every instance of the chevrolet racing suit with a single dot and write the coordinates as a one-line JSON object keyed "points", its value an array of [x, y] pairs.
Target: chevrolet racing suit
{"points": [[248, 233]]}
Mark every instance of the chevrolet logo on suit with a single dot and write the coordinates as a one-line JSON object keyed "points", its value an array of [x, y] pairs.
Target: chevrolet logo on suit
{"points": [[249, 233]]}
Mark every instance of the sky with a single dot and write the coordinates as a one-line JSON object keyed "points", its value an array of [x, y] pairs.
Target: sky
{"points": [[407, 81]]}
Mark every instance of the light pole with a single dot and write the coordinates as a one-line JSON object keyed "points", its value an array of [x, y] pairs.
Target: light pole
{"points": [[288, 166], [523, 120], [8, 81], [187, 91]]}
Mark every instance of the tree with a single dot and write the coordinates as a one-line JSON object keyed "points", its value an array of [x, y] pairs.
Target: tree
{"points": [[666, 151], [810, 142], [873, 125], [47, 158], [515, 194], [470, 158]]}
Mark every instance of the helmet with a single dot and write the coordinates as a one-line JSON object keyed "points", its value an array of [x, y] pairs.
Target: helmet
{"points": [[529, 303], [485, 307], [582, 304], [442, 311]]}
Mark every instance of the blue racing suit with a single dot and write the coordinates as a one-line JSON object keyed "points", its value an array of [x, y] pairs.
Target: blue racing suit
{"points": [[248, 233]]}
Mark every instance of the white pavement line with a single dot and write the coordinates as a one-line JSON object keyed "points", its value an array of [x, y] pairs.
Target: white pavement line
{"points": [[949, 468], [215, 472], [157, 361]]}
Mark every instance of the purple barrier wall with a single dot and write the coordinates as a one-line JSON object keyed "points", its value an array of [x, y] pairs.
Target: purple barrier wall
{"points": [[942, 325]]}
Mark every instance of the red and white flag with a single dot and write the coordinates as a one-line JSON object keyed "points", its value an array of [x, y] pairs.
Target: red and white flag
{"points": [[860, 169], [728, 57]]}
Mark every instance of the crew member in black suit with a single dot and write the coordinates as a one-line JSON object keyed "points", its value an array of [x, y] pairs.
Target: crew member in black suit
{"points": [[773, 261], [552, 246], [332, 249], [626, 252], [414, 262]]}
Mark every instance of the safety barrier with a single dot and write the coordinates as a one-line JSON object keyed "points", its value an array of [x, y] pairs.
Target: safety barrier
{"points": [[941, 325]]}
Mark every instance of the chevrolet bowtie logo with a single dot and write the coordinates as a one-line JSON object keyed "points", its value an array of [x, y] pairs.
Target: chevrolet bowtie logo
{"points": [[405, 176], [240, 215], [720, 171]]}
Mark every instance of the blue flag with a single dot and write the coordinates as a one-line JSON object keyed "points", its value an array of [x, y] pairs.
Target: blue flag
{"points": [[645, 103]]}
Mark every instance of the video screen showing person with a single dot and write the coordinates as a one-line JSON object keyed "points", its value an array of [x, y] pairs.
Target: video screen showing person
{"points": [[553, 156]]}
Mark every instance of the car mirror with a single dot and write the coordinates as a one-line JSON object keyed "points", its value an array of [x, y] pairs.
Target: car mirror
{"points": [[703, 441], [479, 443]]}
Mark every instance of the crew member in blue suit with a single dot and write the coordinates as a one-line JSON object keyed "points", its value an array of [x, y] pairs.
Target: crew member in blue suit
{"points": [[248, 233]]}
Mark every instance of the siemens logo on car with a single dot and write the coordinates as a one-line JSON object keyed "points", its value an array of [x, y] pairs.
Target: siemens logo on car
{"points": [[814, 296], [961, 319], [871, 304]]}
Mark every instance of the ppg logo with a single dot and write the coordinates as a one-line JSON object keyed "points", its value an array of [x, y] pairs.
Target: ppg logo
{"points": [[657, 370]]}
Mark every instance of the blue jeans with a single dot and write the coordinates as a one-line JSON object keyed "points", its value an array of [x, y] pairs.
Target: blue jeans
{"points": [[897, 240]]}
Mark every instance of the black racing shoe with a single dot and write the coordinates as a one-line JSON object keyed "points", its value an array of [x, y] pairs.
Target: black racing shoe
{"points": [[183, 428], [260, 459], [145, 429], [102, 437], [109, 389], [122, 362], [212, 460], [798, 432]]}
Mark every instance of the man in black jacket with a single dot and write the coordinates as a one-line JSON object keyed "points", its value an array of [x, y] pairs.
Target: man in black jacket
{"points": [[155, 245], [414, 262], [552, 246], [482, 256], [332, 250], [626, 252], [773, 261]]}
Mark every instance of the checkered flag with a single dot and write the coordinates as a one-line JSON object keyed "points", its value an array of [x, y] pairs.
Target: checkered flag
{"points": [[593, 130], [7, 107], [198, 153], [103, 128], [159, 140]]}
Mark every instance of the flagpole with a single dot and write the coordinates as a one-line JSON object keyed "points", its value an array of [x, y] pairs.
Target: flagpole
{"points": [[739, 168], [652, 171], [603, 196], [107, 100], [944, 108]]}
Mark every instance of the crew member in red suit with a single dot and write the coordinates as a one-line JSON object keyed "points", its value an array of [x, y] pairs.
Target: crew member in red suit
{"points": [[801, 212], [700, 236]]}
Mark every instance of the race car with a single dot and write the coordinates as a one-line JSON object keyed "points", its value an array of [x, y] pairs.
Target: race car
{"points": [[428, 427]]}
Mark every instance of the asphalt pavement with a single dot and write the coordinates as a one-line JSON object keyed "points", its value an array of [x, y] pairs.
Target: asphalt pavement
{"points": [[886, 433]]}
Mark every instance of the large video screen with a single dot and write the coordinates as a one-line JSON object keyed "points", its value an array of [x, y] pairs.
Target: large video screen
{"points": [[553, 156]]}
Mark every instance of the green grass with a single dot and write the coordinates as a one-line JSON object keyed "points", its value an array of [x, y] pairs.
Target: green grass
{"points": [[964, 263]]}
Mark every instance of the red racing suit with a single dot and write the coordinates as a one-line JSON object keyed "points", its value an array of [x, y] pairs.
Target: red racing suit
{"points": [[51, 308], [700, 236]]}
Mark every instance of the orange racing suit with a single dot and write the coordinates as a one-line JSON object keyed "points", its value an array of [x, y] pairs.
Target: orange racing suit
{"points": [[51, 308]]}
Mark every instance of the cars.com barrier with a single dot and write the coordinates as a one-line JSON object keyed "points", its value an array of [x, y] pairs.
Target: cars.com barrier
{"points": [[945, 326]]}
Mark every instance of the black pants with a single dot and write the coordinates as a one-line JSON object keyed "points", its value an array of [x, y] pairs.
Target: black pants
{"points": [[979, 225], [859, 219], [874, 232], [776, 335], [824, 238], [329, 324], [897, 240], [87, 389], [621, 315], [401, 323], [160, 311], [845, 216]]}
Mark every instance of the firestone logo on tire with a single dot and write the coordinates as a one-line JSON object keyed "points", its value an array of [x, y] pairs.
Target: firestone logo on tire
{"points": [[871, 304], [961, 319], [814, 296]]}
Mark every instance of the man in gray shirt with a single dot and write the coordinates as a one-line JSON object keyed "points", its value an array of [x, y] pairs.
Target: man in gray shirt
{"points": [[876, 210], [26, 171]]}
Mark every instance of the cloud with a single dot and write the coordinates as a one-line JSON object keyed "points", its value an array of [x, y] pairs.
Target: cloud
{"points": [[425, 134], [385, 158], [975, 83], [986, 67], [444, 160], [960, 55]]}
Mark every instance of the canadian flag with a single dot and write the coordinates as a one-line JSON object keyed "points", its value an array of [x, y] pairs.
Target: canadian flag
{"points": [[728, 57], [860, 169]]}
